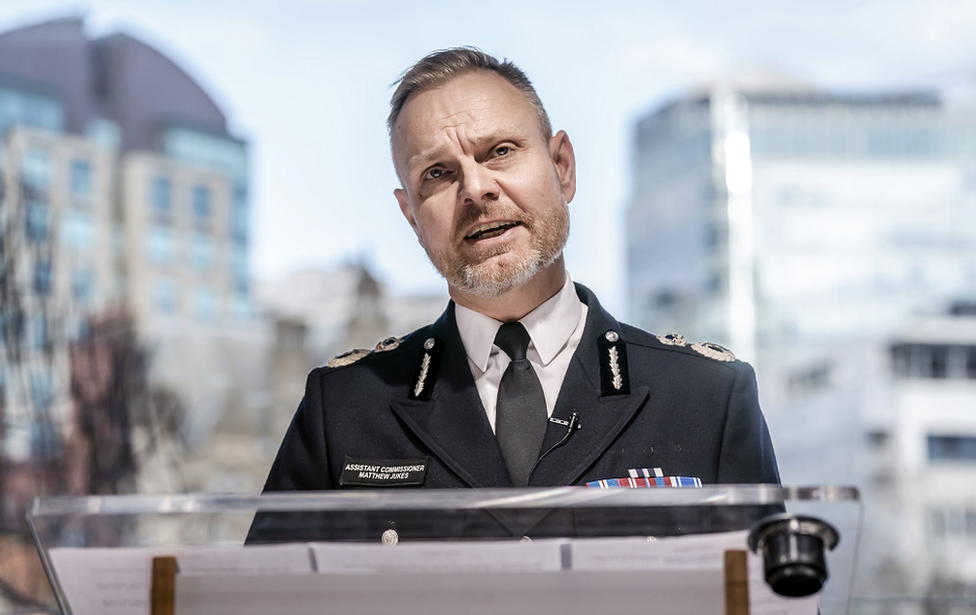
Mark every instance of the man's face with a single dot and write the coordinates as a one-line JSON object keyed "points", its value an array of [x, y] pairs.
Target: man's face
{"points": [[483, 190]]}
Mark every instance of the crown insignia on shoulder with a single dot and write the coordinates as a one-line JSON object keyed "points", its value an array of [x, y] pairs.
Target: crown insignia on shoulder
{"points": [[672, 339], [388, 344], [713, 351]]}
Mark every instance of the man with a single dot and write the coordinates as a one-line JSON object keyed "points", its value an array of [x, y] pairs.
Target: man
{"points": [[525, 380]]}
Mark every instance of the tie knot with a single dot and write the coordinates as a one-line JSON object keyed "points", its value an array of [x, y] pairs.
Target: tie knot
{"points": [[513, 339]]}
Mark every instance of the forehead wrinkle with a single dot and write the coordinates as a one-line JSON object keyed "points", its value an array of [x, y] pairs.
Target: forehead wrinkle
{"points": [[461, 120], [467, 143]]}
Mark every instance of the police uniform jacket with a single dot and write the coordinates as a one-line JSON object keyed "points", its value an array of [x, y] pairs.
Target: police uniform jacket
{"points": [[629, 400]]}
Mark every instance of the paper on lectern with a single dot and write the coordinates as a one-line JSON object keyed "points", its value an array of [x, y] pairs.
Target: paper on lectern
{"points": [[369, 578], [116, 581]]}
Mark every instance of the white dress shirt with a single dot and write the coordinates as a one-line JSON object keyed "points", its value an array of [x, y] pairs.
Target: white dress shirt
{"points": [[555, 328]]}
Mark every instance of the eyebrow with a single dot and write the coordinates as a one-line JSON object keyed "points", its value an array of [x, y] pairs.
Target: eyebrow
{"points": [[507, 134]]}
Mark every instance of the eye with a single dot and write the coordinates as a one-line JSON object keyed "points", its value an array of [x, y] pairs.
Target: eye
{"points": [[503, 150], [435, 173]]}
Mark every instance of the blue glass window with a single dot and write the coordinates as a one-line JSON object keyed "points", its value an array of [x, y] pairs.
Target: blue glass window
{"points": [[205, 304], [83, 331], [81, 178], [201, 251], [162, 202], [952, 448], [82, 286], [228, 155], [38, 332], [201, 203], [241, 306], [42, 387], [238, 262], [37, 221], [42, 277], [35, 172], [165, 296], [238, 216], [104, 132], [160, 245], [45, 443], [78, 230], [18, 107]]}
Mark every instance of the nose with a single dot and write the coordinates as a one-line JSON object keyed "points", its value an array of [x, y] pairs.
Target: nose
{"points": [[477, 185]]}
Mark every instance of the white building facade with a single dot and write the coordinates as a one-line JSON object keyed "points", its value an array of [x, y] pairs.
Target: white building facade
{"points": [[819, 236]]}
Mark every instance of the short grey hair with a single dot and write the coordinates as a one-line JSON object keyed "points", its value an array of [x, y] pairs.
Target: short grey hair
{"points": [[444, 65]]}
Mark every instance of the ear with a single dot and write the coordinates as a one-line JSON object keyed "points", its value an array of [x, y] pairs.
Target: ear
{"points": [[564, 160], [404, 200]]}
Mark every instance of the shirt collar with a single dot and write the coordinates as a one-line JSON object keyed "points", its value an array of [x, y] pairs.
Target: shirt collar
{"points": [[550, 326]]}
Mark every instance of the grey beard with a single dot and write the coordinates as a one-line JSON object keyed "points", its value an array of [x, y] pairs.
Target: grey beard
{"points": [[488, 282], [491, 285]]}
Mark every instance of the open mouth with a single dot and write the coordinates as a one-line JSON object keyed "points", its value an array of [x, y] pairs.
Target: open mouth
{"points": [[491, 229]]}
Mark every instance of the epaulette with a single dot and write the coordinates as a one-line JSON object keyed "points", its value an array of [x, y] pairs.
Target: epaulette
{"points": [[351, 356], [707, 349]]}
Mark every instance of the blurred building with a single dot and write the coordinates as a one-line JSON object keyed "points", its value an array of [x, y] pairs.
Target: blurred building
{"points": [[767, 214], [331, 311], [123, 193], [895, 416], [315, 314], [346, 307], [820, 235]]}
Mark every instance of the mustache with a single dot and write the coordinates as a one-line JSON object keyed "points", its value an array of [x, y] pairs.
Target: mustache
{"points": [[490, 212]]}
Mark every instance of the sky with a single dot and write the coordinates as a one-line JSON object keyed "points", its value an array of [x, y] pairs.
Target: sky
{"points": [[307, 84]]}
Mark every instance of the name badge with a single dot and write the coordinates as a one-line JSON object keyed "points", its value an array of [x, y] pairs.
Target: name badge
{"points": [[362, 472]]}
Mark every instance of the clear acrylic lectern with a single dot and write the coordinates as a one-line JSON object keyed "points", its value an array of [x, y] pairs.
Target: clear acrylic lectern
{"points": [[565, 550]]}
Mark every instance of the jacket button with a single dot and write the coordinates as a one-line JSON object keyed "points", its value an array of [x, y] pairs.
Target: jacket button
{"points": [[390, 537]]}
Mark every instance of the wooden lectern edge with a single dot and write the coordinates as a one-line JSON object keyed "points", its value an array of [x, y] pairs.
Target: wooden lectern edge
{"points": [[736, 582], [162, 591]]}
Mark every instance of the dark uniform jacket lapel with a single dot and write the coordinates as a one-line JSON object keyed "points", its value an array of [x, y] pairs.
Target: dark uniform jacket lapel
{"points": [[601, 417], [453, 423]]}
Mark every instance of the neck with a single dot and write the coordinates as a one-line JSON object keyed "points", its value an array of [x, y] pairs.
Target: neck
{"points": [[518, 302]]}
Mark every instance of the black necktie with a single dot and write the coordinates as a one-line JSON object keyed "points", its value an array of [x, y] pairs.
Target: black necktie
{"points": [[520, 415]]}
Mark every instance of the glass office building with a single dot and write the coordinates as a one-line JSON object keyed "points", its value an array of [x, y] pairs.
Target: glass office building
{"points": [[822, 236], [767, 213], [124, 192]]}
